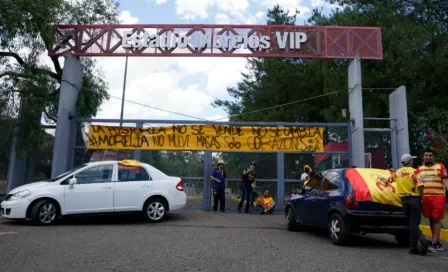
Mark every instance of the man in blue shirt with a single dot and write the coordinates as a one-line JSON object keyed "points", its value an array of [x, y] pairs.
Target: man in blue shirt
{"points": [[219, 177]]}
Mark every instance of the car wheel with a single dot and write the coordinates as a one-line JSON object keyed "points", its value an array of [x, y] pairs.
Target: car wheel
{"points": [[44, 212], [291, 221], [338, 230], [403, 239], [155, 210]]}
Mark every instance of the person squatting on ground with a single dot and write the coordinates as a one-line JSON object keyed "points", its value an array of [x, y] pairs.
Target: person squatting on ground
{"points": [[219, 177], [265, 204], [411, 194], [434, 177], [248, 180]]}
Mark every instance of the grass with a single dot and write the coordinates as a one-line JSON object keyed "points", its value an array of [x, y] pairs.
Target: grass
{"points": [[425, 221], [194, 197]]}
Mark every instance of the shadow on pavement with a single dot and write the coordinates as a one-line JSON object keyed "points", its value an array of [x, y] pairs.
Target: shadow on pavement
{"points": [[364, 241], [122, 219]]}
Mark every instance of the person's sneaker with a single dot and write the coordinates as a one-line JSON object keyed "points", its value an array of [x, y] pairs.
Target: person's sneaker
{"points": [[246, 211], [239, 210], [439, 247], [432, 248]]}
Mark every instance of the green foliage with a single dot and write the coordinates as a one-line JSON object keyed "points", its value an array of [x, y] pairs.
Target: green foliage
{"points": [[280, 81], [434, 135], [25, 34], [415, 48]]}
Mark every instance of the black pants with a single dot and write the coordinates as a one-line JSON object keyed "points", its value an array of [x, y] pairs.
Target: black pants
{"points": [[246, 194], [219, 194], [412, 207]]}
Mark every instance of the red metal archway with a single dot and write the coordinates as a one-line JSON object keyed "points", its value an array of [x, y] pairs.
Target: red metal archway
{"points": [[333, 42]]}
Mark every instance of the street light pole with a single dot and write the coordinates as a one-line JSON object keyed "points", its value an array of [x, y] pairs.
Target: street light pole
{"points": [[122, 99]]}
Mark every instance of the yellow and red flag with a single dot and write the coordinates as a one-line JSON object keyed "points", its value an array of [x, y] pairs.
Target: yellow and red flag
{"points": [[372, 185]]}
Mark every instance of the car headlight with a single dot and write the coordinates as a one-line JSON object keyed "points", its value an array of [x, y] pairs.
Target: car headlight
{"points": [[20, 194]]}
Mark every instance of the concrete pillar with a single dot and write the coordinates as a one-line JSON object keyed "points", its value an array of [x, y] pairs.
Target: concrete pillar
{"points": [[73, 135], [68, 97], [280, 180], [356, 111], [398, 109]]}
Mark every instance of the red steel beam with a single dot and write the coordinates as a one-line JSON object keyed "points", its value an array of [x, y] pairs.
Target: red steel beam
{"points": [[332, 42]]}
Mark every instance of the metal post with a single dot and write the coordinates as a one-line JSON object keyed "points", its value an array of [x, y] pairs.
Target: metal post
{"points": [[280, 180], [122, 99], [206, 190], [393, 145], [350, 151], [138, 153]]}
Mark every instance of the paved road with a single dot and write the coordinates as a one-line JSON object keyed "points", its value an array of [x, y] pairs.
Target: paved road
{"points": [[197, 241]]}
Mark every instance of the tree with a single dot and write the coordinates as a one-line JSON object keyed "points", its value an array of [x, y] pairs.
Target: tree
{"points": [[415, 51], [25, 35], [431, 133], [415, 55], [271, 82]]}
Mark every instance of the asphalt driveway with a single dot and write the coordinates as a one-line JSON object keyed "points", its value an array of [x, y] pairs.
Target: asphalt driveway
{"points": [[197, 241]]}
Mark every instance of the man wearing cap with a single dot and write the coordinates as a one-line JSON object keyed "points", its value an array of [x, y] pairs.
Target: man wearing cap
{"points": [[411, 194], [248, 180], [219, 177]]}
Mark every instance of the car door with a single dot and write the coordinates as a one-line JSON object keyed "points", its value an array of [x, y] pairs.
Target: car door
{"points": [[312, 189], [93, 191], [133, 186], [329, 196]]}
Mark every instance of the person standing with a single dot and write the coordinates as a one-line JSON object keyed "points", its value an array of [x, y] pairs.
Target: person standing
{"points": [[248, 181], [305, 175], [219, 177], [411, 194], [434, 177]]}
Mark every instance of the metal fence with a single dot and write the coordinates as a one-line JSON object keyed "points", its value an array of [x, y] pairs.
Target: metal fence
{"points": [[279, 172], [38, 160]]}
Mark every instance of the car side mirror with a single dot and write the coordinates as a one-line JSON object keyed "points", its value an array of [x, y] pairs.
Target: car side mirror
{"points": [[72, 181]]}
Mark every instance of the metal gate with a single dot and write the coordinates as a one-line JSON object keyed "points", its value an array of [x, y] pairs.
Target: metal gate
{"points": [[279, 171]]}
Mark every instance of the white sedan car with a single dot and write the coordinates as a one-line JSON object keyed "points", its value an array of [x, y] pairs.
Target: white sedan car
{"points": [[94, 188]]}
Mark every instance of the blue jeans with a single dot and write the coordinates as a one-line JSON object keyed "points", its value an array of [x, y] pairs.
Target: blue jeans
{"points": [[246, 193], [261, 210]]}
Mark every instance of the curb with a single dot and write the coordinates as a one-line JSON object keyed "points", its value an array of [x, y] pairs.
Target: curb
{"points": [[427, 232]]}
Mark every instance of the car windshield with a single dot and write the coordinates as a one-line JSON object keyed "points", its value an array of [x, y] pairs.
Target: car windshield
{"points": [[67, 173]]}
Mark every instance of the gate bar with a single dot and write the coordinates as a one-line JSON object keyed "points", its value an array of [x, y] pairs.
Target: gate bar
{"points": [[196, 122], [379, 119], [378, 129], [243, 151]]}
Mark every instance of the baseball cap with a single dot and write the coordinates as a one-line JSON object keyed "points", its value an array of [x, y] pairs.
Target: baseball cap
{"points": [[407, 157], [252, 163]]}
